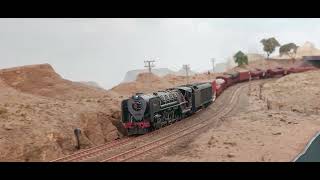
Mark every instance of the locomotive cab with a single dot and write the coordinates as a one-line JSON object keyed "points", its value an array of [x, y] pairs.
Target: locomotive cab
{"points": [[187, 95], [202, 95]]}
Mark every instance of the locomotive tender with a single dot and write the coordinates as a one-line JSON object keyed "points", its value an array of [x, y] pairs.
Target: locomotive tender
{"points": [[143, 113]]}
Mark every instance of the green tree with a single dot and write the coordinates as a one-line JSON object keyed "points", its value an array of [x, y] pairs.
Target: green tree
{"points": [[290, 50], [240, 58], [269, 45]]}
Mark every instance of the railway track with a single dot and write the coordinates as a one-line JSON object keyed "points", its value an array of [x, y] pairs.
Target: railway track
{"points": [[95, 151], [130, 147], [87, 152]]}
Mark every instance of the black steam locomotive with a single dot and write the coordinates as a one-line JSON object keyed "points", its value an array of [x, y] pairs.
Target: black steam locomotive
{"points": [[143, 113]]}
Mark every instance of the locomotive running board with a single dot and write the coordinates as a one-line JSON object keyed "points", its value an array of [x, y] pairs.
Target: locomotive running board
{"points": [[187, 110]]}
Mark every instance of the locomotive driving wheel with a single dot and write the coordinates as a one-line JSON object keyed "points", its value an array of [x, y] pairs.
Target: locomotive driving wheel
{"points": [[176, 117], [165, 123], [157, 123]]}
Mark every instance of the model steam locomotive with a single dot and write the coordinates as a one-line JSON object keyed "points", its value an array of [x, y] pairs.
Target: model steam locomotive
{"points": [[146, 112]]}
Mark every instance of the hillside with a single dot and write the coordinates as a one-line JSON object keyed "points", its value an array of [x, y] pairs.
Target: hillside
{"points": [[39, 111], [132, 75], [220, 67], [182, 72], [287, 93], [91, 84], [160, 72]]}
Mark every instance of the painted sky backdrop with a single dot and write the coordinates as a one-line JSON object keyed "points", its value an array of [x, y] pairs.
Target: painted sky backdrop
{"points": [[103, 50]]}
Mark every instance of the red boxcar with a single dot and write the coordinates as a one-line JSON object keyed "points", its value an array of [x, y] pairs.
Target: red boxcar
{"points": [[214, 86], [244, 76], [225, 78], [220, 89], [258, 73], [300, 69], [230, 78], [220, 85], [279, 71]]}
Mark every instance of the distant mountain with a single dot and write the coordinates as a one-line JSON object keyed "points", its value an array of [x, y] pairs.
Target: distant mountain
{"points": [[220, 67], [132, 75], [182, 72], [91, 83]]}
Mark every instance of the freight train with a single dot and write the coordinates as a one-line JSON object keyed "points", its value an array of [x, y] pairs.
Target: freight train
{"points": [[143, 113]]}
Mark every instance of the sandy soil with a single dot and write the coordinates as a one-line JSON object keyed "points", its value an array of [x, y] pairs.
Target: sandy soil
{"points": [[266, 130]]}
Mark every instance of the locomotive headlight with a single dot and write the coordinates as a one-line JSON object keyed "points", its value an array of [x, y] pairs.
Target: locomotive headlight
{"points": [[137, 106]]}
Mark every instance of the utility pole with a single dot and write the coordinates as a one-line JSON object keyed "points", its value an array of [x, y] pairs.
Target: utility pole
{"points": [[249, 90], [212, 60], [186, 67], [149, 65]]}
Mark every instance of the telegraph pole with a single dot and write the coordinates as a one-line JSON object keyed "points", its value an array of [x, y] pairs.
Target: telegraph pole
{"points": [[149, 65], [212, 60], [250, 78], [186, 67]]}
